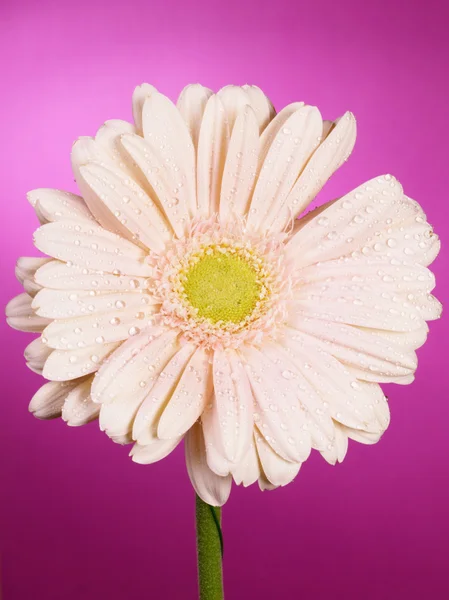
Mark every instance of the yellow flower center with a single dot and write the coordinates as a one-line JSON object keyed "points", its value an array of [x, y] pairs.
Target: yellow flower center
{"points": [[222, 286]]}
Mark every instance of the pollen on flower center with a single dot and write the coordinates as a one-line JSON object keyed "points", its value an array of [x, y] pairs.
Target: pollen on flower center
{"points": [[222, 286]]}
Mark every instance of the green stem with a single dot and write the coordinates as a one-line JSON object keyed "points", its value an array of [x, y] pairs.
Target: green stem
{"points": [[209, 543]]}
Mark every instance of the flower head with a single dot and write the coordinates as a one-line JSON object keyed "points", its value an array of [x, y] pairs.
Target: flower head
{"points": [[181, 298]]}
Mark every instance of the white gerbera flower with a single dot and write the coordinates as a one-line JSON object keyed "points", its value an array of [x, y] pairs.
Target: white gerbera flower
{"points": [[181, 298]]}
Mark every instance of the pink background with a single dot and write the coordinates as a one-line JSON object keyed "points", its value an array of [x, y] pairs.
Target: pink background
{"points": [[79, 520]]}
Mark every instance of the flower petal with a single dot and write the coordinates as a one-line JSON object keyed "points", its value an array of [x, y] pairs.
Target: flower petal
{"points": [[78, 408], [116, 418], [36, 353], [109, 138], [233, 405], [122, 383], [65, 365], [25, 271], [91, 246], [209, 486], [101, 328], [56, 205], [277, 470], [141, 93], [132, 370], [189, 397], [66, 304], [166, 132], [345, 398], [248, 470], [213, 143], [319, 421], [375, 219], [136, 210], [48, 401], [85, 151], [278, 415], [162, 179], [147, 419], [261, 105], [214, 452], [58, 275], [154, 451], [191, 104], [385, 311], [336, 450], [20, 315], [327, 158], [378, 358], [234, 99], [240, 166], [286, 158]]}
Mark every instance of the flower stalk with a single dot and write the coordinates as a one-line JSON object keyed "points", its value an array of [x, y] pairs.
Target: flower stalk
{"points": [[209, 542]]}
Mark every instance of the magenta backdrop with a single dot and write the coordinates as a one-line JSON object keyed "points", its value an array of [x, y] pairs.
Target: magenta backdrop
{"points": [[79, 520]]}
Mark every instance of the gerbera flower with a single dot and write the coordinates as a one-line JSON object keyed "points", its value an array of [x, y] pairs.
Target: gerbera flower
{"points": [[182, 299]]}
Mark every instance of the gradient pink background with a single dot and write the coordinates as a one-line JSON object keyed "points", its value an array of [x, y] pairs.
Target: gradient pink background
{"points": [[79, 520]]}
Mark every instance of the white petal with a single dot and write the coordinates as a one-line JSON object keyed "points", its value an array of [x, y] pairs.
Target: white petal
{"points": [[336, 450], [162, 178], [64, 365], [343, 397], [248, 470], [116, 418], [47, 402], [428, 307], [374, 271], [274, 127], [286, 158], [141, 93], [260, 104], [240, 166], [120, 390], [134, 367], [134, 208], [92, 247], [319, 421], [78, 408], [56, 205], [103, 383], [25, 271], [233, 405], [214, 452], [376, 219], [209, 486], [212, 149], [36, 353], [189, 398], [20, 315], [234, 99], [63, 276], [101, 328], [277, 470], [363, 437], [154, 451], [384, 311], [147, 419], [191, 104], [381, 358], [109, 137], [278, 414], [166, 132], [85, 151], [326, 159], [66, 304]]}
